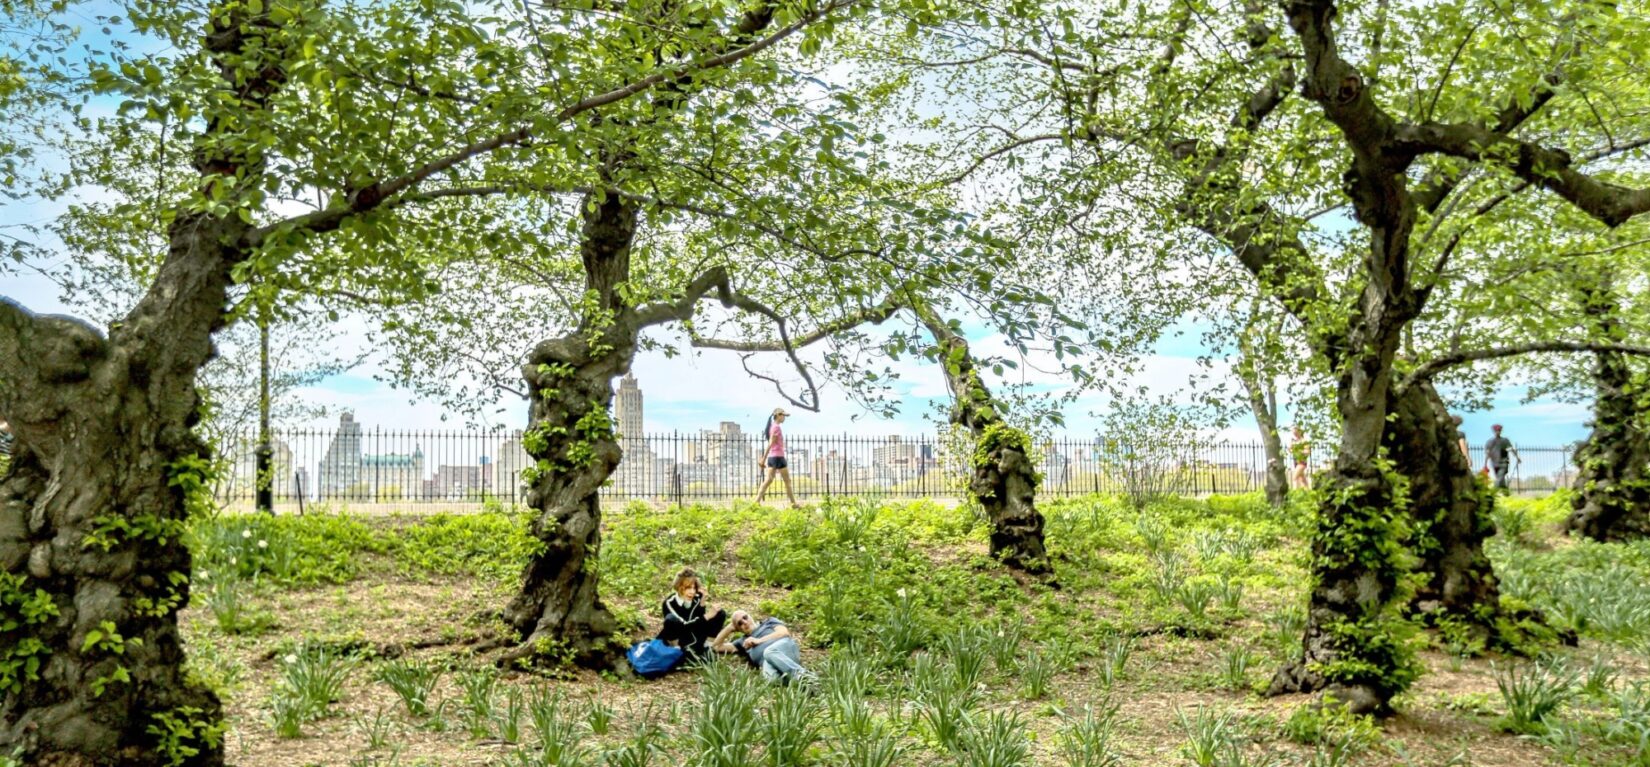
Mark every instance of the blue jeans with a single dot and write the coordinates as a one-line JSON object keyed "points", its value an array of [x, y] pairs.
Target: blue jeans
{"points": [[782, 659]]}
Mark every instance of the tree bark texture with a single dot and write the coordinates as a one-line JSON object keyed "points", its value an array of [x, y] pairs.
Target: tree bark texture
{"points": [[93, 569], [1612, 498], [1451, 509], [557, 612], [1004, 480], [92, 514]]}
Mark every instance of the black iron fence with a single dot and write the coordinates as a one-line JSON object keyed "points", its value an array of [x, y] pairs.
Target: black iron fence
{"points": [[390, 468]]}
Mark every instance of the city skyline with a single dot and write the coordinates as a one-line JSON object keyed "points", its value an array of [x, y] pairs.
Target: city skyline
{"points": [[359, 460]]}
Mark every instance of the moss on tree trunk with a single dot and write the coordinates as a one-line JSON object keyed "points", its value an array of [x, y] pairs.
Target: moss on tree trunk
{"points": [[1612, 498], [1004, 479]]}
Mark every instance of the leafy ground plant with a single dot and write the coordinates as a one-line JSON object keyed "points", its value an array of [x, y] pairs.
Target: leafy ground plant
{"points": [[413, 681], [1086, 741], [997, 739], [312, 678], [790, 725], [1532, 693]]}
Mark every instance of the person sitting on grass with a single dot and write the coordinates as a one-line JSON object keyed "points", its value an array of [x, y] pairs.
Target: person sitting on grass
{"points": [[767, 645], [688, 623]]}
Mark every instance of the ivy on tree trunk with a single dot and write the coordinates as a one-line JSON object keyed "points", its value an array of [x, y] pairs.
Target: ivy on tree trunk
{"points": [[1004, 480], [1612, 491], [106, 469]]}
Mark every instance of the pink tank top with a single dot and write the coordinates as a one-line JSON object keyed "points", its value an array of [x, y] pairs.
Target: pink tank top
{"points": [[777, 449]]}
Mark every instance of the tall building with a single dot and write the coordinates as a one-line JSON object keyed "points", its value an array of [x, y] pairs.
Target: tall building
{"points": [[341, 468], [634, 474], [628, 408]]}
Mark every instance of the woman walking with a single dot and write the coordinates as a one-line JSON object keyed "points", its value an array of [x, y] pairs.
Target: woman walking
{"points": [[773, 460], [1300, 448]]}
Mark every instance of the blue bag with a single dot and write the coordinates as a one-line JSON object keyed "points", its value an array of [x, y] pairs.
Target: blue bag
{"points": [[653, 658]]}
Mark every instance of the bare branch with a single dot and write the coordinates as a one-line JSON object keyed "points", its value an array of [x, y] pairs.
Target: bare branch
{"points": [[875, 315], [1012, 145], [716, 278]]}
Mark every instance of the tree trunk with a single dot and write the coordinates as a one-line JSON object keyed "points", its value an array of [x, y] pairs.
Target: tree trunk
{"points": [[557, 612], [1451, 512], [1263, 404], [92, 517], [1355, 647], [1612, 499], [93, 569], [1005, 481], [1450, 508]]}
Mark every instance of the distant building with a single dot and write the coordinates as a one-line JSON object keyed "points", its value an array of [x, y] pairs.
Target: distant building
{"points": [[455, 482], [244, 473], [341, 468], [392, 476], [628, 408], [634, 474]]}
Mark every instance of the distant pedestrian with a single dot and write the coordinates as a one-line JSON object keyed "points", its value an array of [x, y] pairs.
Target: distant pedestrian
{"points": [[773, 458], [1496, 456], [1300, 449], [1461, 440]]}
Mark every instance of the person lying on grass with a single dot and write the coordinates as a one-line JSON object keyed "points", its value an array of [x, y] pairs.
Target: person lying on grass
{"points": [[688, 623], [767, 645]]}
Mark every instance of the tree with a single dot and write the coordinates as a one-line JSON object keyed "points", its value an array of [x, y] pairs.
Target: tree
{"points": [[1349, 652], [271, 103], [1258, 346], [1005, 479], [1612, 499], [1253, 171]]}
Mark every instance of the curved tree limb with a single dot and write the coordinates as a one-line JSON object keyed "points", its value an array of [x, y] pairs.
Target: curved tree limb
{"points": [[1437, 365], [874, 315], [716, 278]]}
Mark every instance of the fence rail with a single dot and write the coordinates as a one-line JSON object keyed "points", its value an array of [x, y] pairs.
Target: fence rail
{"points": [[394, 468]]}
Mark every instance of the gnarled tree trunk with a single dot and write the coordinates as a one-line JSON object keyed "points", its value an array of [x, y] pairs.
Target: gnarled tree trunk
{"points": [[1450, 508], [1612, 499], [106, 461], [557, 612], [1358, 557], [1004, 481]]}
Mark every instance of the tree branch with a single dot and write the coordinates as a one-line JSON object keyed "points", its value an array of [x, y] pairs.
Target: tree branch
{"points": [[1434, 366], [716, 278], [373, 196], [1553, 169], [874, 315]]}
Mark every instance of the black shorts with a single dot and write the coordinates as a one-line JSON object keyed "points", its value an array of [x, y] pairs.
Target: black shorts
{"points": [[777, 462]]}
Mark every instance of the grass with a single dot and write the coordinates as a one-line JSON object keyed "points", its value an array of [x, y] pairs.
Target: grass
{"points": [[1167, 622]]}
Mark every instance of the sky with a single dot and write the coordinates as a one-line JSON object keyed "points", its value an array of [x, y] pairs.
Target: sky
{"points": [[696, 391]]}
